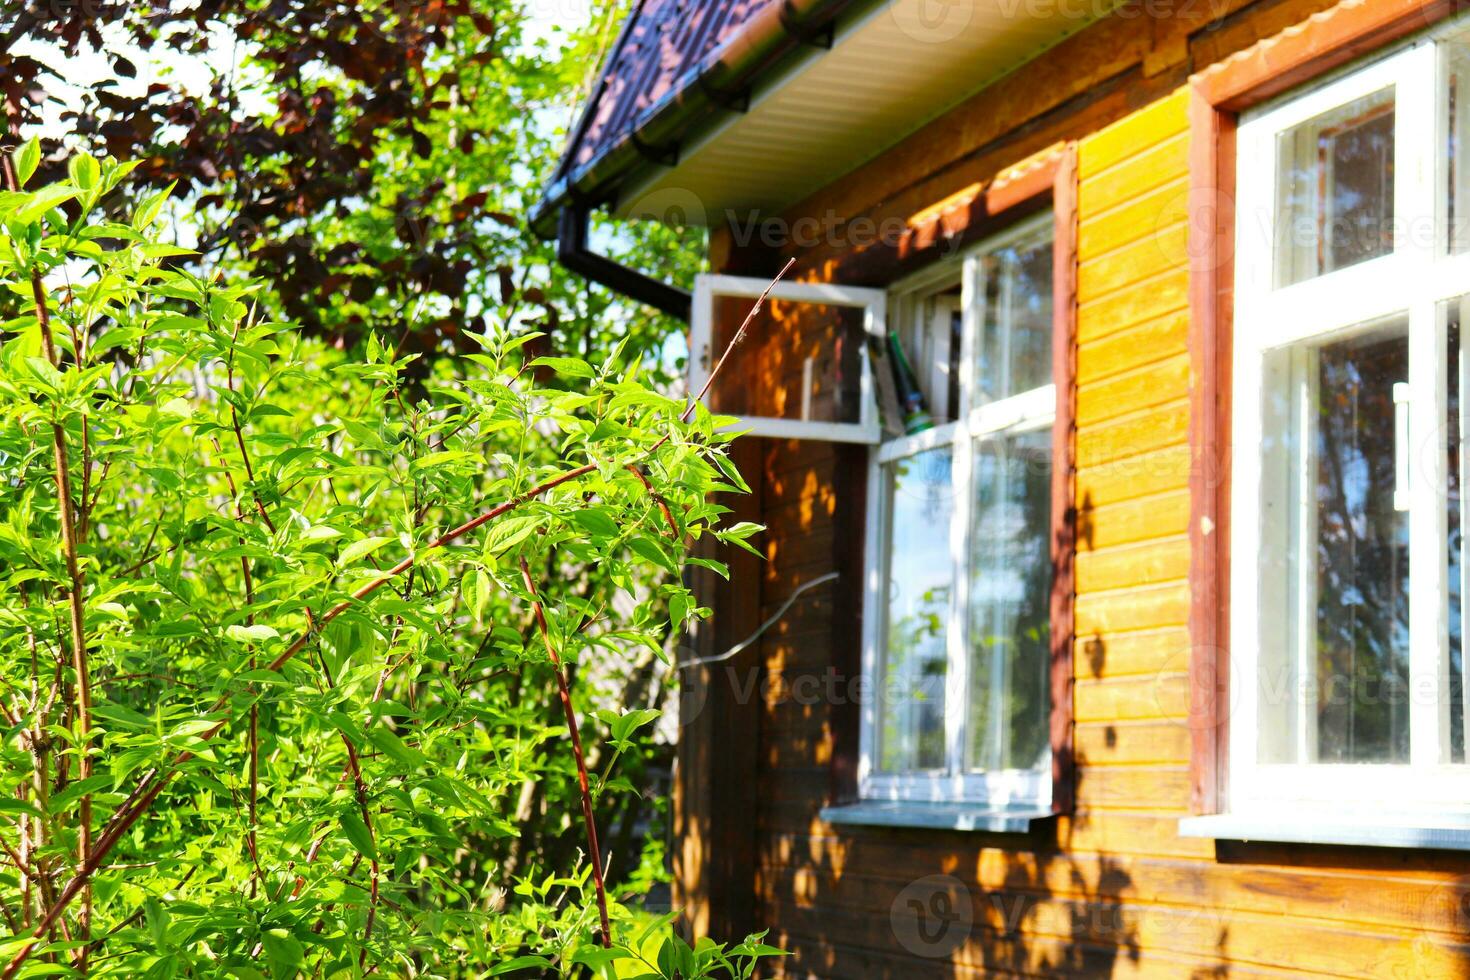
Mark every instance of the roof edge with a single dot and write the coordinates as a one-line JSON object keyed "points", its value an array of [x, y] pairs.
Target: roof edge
{"points": [[701, 95]]}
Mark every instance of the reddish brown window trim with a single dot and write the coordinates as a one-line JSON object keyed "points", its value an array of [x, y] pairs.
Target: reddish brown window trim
{"points": [[1049, 178], [1217, 97], [1064, 476]]}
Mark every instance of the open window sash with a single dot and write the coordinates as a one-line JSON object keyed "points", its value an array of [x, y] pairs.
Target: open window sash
{"points": [[803, 415]]}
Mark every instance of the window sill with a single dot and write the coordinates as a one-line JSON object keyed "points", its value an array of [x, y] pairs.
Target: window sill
{"points": [[972, 817], [1427, 831]]}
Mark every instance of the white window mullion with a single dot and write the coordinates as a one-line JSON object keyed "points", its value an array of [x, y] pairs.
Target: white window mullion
{"points": [[1419, 108], [1304, 680], [1255, 517], [957, 680], [875, 565], [957, 688], [1429, 731], [1006, 269]]}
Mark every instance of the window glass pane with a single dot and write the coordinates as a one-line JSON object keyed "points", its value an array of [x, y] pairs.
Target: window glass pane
{"points": [[1335, 189], [1335, 604], [1015, 337], [799, 361], [911, 693], [1010, 596], [930, 324]]}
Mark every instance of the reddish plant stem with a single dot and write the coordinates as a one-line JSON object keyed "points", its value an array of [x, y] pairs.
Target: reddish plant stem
{"points": [[75, 585], [593, 852], [663, 505]]}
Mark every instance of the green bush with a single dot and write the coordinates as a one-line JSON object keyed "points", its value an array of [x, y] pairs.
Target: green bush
{"points": [[283, 636]]}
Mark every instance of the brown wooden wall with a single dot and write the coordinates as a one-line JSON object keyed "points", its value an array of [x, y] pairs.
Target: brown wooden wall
{"points": [[1110, 890]]}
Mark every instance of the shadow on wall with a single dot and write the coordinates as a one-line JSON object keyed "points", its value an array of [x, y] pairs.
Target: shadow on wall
{"points": [[899, 903]]}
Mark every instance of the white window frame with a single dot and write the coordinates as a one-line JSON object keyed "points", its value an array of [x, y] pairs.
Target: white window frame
{"points": [[1413, 281], [1025, 412], [873, 302]]}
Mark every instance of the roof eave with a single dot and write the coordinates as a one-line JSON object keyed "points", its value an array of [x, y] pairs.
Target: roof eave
{"points": [[699, 100]]}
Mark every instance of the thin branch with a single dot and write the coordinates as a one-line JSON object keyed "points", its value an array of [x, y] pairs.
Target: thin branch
{"points": [[658, 498], [594, 854], [75, 605]]}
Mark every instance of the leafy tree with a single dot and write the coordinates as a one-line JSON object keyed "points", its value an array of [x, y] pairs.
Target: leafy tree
{"points": [[277, 628], [370, 160], [365, 166]]}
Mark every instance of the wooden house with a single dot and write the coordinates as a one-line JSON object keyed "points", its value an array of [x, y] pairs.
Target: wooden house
{"points": [[1118, 630]]}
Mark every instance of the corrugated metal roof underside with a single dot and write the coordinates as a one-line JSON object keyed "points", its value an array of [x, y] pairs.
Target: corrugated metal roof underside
{"points": [[887, 75]]}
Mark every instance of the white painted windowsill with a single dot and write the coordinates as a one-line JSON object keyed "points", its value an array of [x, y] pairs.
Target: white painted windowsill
{"points": [[1444, 831], [974, 817]]}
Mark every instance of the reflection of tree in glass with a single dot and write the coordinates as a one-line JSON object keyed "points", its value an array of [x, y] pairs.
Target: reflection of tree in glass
{"points": [[1010, 591], [1010, 632], [1015, 346], [1335, 194], [1362, 556], [914, 693], [919, 583]]}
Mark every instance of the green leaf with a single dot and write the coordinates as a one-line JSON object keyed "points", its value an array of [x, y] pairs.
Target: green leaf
{"points": [[358, 549], [439, 459], [508, 532], [258, 633], [147, 212], [192, 728], [395, 747], [737, 535], [484, 589], [9, 804], [75, 791], [283, 950], [181, 407], [596, 520], [572, 367], [83, 171], [629, 722], [27, 159], [44, 200], [358, 834], [653, 552]]}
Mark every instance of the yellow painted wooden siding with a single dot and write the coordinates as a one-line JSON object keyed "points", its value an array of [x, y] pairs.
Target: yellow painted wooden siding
{"points": [[1131, 695]]}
